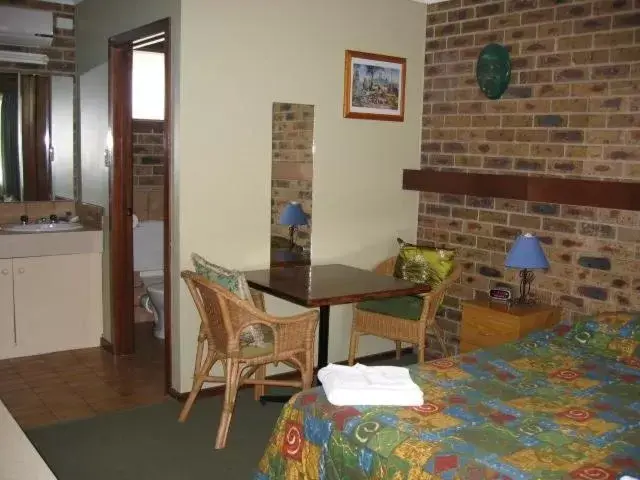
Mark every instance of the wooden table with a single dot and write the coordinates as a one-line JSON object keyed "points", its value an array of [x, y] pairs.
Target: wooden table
{"points": [[325, 285]]}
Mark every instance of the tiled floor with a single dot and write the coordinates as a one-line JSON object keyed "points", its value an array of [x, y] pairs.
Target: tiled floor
{"points": [[44, 389]]}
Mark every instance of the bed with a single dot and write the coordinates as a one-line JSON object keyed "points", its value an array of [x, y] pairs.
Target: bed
{"points": [[558, 404]]}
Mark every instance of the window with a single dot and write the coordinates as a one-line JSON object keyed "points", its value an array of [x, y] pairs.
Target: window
{"points": [[147, 92]]}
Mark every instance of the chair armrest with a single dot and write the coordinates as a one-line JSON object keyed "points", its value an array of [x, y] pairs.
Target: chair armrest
{"points": [[291, 332]]}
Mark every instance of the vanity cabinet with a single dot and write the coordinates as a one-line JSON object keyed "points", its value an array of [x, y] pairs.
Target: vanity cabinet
{"points": [[49, 303], [7, 327]]}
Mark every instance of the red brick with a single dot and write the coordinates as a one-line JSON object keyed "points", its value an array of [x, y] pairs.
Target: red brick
{"points": [[520, 33], [505, 21], [552, 90], [570, 105], [534, 106], [536, 76], [475, 25], [554, 60], [483, 148], [546, 150], [555, 29], [534, 135], [538, 46], [484, 38], [593, 24], [574, 10], [617, 72], [614, 39], [608, 6], [588, 121], [579, 42], [537, 16], [501, 135]]}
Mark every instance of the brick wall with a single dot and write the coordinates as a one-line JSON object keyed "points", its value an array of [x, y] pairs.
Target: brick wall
{"points": [[572, 109], [148, 169], [292, 167], [62, 52]]}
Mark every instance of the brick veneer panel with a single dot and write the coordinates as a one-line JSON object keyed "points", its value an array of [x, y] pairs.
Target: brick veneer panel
{"points": [[148, 169], [292, 164], [572, 109], [61, 53]]}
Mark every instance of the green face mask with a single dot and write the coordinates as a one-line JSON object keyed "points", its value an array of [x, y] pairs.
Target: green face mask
{"points": [[493, 70]]}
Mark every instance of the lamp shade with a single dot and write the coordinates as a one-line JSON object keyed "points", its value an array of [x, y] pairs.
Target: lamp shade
{"points": [[526, 253], [293, 215]]}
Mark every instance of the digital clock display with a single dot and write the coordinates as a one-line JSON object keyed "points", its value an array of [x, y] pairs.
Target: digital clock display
{"points": [[500, 293]]}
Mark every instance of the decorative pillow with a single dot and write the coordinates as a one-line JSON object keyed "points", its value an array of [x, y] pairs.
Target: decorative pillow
{"points": [[235, 282], [612, 334], [423, 264]]}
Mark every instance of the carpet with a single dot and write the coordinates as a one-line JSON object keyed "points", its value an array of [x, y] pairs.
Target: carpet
{"points": [[149, 443]]}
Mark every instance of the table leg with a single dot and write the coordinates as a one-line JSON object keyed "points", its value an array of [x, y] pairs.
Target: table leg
{"points": [[323, 354], [323, 337]]}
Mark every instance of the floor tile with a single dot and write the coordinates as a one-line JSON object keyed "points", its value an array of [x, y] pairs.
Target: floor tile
{"points": [[44, 389]]}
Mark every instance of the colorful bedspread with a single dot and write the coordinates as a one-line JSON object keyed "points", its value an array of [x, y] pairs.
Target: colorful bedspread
{"points": [[552, 406]]}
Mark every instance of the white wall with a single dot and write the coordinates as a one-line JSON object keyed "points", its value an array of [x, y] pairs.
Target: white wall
{"points": [[96, 22], [237, 58]]}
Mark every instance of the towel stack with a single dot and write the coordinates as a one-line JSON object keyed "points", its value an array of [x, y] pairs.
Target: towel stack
{"points": [[362, 385]]}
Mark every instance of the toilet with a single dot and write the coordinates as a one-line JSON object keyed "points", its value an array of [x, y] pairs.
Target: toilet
{"points": [[148, 260]]}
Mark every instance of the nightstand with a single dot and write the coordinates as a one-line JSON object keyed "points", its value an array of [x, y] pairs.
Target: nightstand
{"points": [[487, 324]]}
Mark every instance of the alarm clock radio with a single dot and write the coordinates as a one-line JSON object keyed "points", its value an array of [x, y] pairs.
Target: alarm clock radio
{"points": [[501, 294]]}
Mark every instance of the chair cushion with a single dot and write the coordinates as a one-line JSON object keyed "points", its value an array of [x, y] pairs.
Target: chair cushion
{"points": [[408, 307], [422, 264], [236, 283]]}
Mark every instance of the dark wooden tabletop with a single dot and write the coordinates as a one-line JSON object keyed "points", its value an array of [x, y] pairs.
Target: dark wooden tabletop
{"points": [[334, 284]]}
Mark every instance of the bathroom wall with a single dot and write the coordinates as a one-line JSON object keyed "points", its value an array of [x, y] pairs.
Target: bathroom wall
{"points": [[148, 164]]}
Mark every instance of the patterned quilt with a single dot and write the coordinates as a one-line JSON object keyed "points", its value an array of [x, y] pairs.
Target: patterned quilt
{"points": [[560, 404]]}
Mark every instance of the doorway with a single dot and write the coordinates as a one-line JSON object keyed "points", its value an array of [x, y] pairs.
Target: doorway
{"points": [[124, 172]]}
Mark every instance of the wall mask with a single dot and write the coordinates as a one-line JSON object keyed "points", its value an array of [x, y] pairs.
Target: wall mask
{"points": [[493, 70]]}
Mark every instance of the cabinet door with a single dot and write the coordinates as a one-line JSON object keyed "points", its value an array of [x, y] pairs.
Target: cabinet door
{"points": [[7, 331], [51, 295]]}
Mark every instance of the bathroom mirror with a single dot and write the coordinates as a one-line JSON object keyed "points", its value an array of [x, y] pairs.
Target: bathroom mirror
{"points": [[36, 137], [291, 183]]}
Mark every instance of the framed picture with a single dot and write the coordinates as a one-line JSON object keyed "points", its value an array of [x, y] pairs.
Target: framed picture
{"points": [[374, 86]]}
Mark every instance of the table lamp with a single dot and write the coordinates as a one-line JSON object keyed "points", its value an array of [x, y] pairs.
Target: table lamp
{"points": [[526, 254], [294, 216]]}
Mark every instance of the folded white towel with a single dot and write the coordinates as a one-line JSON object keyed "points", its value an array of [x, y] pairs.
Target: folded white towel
{"points": [[362, 385]]}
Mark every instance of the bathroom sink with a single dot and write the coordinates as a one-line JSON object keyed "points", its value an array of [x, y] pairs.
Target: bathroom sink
{"points": [[41, 227]]}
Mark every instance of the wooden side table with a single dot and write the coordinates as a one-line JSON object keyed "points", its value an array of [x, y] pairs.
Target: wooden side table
{"points": [[486, 324]]}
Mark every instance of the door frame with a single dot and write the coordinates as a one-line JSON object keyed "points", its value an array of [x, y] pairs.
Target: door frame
{"points": [[121, 189]]}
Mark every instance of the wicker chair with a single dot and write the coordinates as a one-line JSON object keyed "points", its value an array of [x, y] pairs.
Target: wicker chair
{"points": [[401, 329], [223, 316]]}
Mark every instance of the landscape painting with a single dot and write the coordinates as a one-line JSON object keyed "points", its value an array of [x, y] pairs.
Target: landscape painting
{"points": [[374, 86]]}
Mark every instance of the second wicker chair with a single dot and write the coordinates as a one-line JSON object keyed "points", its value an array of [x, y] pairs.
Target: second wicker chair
{"points": [[418, 316]]}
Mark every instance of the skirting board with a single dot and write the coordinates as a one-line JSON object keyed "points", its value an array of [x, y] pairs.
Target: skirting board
{"points": [[219, 389], [106, 345]]}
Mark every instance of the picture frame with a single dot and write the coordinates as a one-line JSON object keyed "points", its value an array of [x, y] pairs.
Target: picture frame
{"points": [[374, 86]]}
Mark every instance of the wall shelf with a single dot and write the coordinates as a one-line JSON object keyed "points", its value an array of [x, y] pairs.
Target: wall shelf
{"points": [[547, 189]]}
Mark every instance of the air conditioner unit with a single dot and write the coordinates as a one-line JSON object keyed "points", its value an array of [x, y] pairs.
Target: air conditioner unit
{"points": [[25, 27]]}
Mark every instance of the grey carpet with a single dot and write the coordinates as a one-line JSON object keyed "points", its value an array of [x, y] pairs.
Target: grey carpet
{"points": [[148, 443]]}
